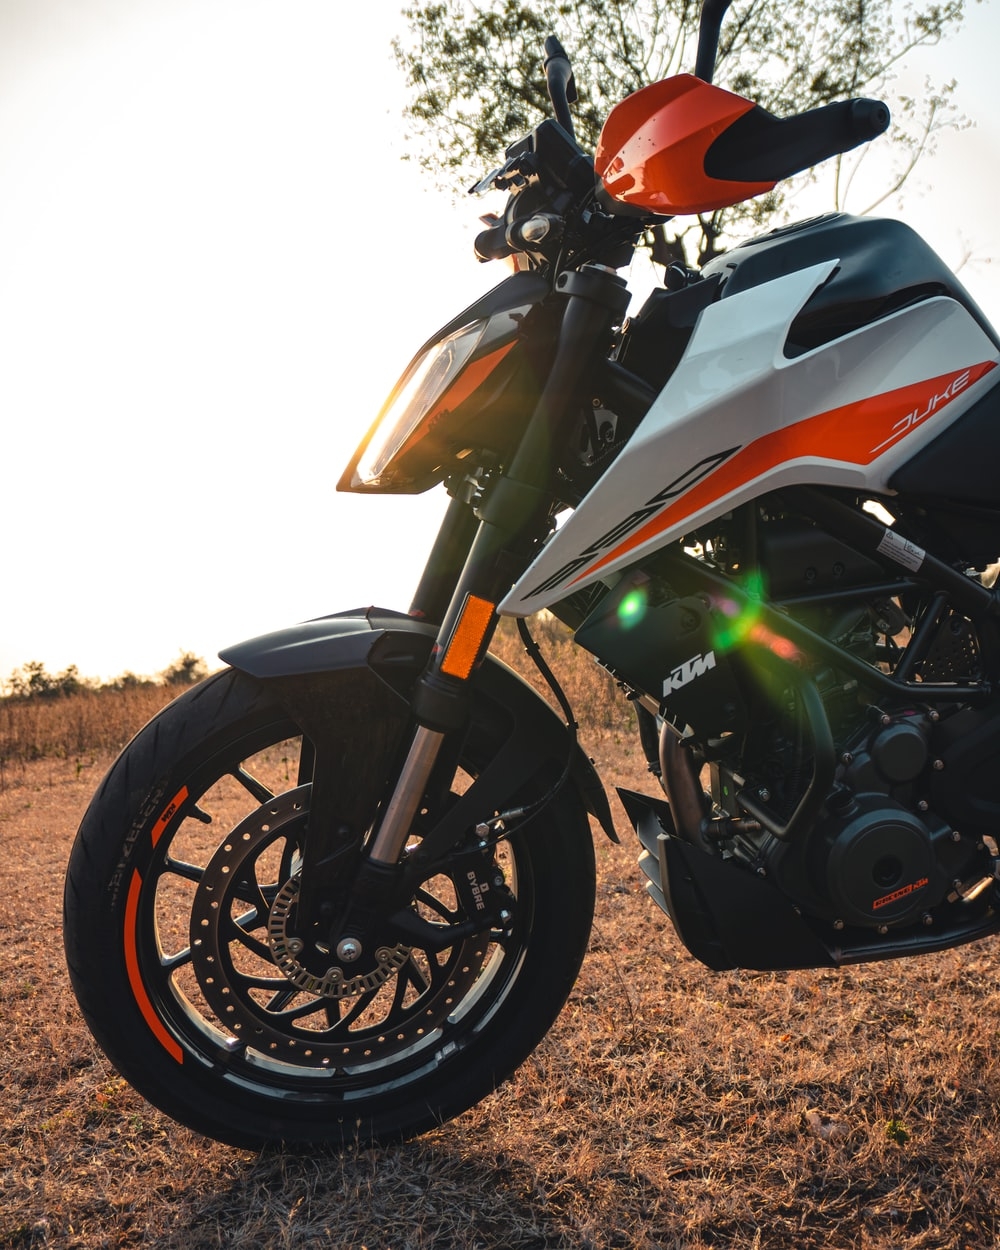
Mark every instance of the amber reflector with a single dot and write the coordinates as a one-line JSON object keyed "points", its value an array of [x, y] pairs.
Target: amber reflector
{"points": [[468, 636]]}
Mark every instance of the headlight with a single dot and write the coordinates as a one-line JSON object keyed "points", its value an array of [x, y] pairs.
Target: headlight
{"points": [[467, 393], [426, 391]]}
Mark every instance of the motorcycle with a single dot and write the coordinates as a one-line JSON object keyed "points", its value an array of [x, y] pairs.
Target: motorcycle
{"points": [[339, 891]]}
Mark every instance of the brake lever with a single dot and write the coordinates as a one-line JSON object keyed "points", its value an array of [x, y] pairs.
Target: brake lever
{"points": [[514, 173], [488, 183]]}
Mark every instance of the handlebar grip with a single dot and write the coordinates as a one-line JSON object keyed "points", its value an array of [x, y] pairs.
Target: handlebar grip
{"points": [[492, 244], [759, 147], [868, 119]]}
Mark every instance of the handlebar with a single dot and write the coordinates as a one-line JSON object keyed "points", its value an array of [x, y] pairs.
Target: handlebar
{"points": [[760, 147]]}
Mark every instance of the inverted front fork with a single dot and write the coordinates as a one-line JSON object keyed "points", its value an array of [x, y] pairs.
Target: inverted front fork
{"points": [[392, 834], [492, 540], [440, 702], [513, 518]]}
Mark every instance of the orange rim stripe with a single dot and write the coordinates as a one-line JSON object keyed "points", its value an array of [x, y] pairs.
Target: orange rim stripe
{"points": [[168, 813], [135, 978]]}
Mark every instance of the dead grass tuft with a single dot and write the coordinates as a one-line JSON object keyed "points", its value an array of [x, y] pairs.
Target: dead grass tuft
{"points": [[81, 726]]}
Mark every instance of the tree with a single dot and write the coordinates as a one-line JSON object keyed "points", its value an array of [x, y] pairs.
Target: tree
{"points": [[34, 681], [476, 81], [185, 670], [31, 680]]}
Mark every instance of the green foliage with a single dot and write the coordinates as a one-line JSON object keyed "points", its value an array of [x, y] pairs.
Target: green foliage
{"points": [[128, 681], [32, 680], [476, 81], [897, 1131], [185, 670]]}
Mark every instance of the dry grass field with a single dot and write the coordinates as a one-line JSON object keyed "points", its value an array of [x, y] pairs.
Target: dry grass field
{"points": [[670, 1108]]}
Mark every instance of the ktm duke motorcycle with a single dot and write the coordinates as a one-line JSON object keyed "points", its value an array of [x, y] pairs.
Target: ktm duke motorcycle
{"points": [[340, 890]]}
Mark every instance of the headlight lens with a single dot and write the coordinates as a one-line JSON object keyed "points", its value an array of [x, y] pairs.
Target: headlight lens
{"points": [[411, 410]]}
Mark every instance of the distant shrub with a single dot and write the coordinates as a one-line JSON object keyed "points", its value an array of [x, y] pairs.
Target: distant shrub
{"points": [[66, 716], [185, 670], [32, 680]]}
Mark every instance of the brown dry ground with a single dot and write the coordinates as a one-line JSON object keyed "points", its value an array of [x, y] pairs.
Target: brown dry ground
{"points": [[670, 1107]]}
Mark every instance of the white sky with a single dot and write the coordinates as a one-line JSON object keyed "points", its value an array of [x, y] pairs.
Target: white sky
{"points": [[213, 266]]}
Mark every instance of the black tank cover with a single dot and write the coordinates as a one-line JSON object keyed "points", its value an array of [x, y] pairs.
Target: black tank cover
{"points": [[883, 266]]}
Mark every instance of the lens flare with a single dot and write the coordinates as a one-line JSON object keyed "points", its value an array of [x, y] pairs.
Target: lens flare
{"points": [[740, 620], [743, 624], [632, 609], [781, 647]]}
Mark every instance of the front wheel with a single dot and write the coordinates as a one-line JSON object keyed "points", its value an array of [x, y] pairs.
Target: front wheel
{"points": [[180, 887]]}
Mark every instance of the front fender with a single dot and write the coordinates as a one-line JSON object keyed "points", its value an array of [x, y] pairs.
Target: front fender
{"points": [[343, 640], [373, 656]]}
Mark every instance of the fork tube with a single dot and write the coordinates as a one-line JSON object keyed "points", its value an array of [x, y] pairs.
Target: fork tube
{"points": [[409, 789], [448, 555]]}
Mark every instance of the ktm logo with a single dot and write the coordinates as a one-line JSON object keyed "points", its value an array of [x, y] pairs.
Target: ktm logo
{"points": [[697, 666], [900, 893]]}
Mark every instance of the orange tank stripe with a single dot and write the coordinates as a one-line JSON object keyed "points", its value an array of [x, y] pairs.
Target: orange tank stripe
{"points": [[857, 433]]}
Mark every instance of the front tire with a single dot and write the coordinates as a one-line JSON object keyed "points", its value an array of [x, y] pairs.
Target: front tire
{"points": [[180, 884]]}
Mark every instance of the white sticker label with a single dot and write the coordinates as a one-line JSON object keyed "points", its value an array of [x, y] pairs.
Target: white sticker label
{"points": [[900, 549]]}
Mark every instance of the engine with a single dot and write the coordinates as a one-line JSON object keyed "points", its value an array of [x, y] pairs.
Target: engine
{"points": [[906, 819], [864, 817], [878, 855]]}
